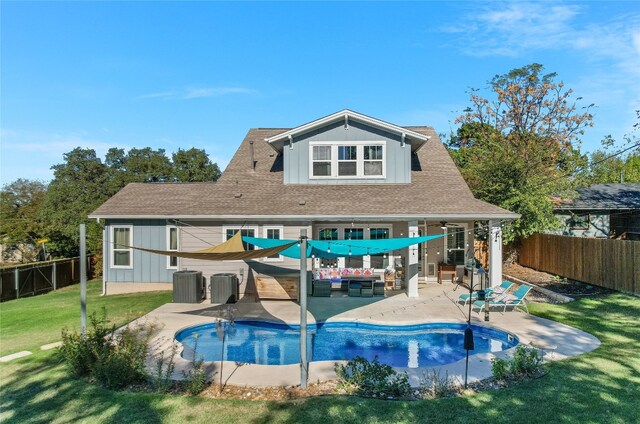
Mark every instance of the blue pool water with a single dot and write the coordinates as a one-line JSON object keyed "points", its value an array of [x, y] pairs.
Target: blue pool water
{"points": [[412, 346]]}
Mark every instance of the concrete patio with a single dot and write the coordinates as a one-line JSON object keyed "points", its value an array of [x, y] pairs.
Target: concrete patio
{"points": [[436, 303]]}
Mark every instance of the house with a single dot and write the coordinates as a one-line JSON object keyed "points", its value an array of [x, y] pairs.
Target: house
{"points": [[601, 210], [343, 176]]}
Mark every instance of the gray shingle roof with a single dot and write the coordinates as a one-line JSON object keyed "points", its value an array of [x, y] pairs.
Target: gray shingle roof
{"points": [[605, 196], [437, 190]]}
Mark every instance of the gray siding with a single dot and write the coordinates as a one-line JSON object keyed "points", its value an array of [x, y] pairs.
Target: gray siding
{"points": [[296, 159], [147, 267]]}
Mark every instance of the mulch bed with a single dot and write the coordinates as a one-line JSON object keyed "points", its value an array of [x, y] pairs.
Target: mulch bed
{"points": [[568, 287]]}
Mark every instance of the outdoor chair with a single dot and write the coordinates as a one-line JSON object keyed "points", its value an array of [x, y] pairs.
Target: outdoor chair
{"points": [[354, 289], [502, 288], [322, 288], [505, 300]]}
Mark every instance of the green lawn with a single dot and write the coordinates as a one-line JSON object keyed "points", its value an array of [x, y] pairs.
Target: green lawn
{"points": [[599, 387], [30, 322]]}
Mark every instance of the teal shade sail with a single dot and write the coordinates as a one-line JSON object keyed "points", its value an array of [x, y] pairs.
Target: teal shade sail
{"points": [[340, 248]]}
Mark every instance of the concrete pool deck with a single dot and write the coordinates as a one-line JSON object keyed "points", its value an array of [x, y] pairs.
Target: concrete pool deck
{"points": [[436, 303]]}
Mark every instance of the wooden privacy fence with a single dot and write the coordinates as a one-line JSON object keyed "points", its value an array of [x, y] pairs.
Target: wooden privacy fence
{"points": [[614, 264], [40, 277]]}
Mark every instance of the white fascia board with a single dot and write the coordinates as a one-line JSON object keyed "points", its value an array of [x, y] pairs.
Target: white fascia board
{"points": [[350, 115], [400, 217]]}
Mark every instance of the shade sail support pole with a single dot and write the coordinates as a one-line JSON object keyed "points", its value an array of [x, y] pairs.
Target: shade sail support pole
{"points": [[303, 309], [83, 278]]}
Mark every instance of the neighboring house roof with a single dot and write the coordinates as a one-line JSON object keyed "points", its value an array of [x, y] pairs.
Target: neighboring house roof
{"points": [[418, 139], [436, 190], [604, 196]]}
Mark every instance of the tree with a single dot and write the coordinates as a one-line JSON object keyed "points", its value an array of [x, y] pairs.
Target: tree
{"points": [[79, 186], [20, 227], [605, 166], [516, 149], [194, 165]]}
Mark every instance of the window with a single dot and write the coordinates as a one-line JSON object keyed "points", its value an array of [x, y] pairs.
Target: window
{"points": [[373, 160], [249, 232], [358, 159], [579, 222], [379, 261], [328, 234], [455, 244], [121, 252], [351, 233], [172, 245], [273, 233], [347, 161], [321, 161]]}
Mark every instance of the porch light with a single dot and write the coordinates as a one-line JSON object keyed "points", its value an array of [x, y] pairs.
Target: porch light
{"points": [[443, 225]]}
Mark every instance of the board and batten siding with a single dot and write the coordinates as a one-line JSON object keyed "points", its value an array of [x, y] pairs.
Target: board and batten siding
{"points": [[203, 234], [147, 267], [397, 158]]}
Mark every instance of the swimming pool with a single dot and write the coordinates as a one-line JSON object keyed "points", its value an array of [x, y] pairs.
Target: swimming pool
{"points": [[412, 346]]}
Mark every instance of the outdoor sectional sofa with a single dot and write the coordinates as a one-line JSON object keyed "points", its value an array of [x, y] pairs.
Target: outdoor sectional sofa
{"points": [[355, 281]]}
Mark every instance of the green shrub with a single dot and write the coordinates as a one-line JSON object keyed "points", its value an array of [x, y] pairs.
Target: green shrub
{"points": [[500, 368], [114, 359], [195, 380], [372, 378], [80, 351], [525, 361], [162, 378]]}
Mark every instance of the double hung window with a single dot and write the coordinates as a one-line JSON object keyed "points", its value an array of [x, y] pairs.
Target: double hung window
{"points": [[321, 161], [172, 245], [273, 233], [379, 261], [351, 233], [121, 252], [357, 159], [455, 244], [249, 232]]}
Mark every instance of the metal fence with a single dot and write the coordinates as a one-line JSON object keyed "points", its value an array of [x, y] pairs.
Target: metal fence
{"points": [[614, 264], [40, 277]]}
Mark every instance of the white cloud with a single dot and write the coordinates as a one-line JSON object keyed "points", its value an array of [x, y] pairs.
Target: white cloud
{"points": [[606, 48], [197, 92]]}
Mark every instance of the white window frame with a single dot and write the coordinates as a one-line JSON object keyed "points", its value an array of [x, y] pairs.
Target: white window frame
{"points": [[331, 161], [256, 232], [464, 227], [113, 249], [168, 234], [359, 162], [265, 229]]}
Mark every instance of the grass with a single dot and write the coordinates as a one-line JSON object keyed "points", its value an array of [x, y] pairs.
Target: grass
{"points": [[30, 322], [602, 386]]}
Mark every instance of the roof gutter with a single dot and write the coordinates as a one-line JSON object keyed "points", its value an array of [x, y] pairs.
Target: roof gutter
{"points": [[350, 218]]}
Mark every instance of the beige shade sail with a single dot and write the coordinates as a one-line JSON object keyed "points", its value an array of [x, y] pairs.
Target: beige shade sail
{"points": [[234, 244]]}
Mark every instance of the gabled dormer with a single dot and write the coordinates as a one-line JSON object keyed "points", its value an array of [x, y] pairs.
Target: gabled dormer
{"points": [[347, 148]]}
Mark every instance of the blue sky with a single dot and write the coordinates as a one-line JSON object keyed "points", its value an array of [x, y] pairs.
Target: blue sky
{"points": [[182, 75]]}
